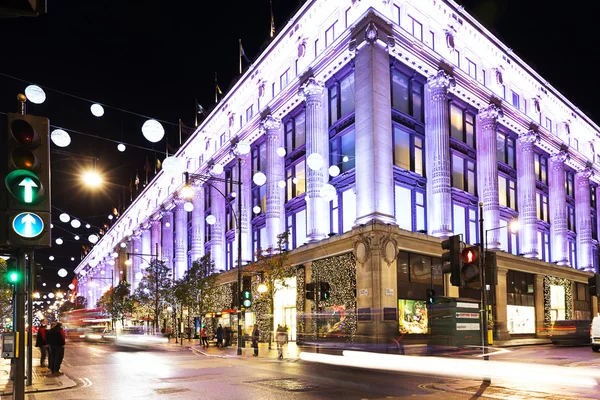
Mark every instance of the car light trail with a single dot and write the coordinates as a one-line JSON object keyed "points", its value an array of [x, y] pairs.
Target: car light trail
{"points": [[520, 373]]}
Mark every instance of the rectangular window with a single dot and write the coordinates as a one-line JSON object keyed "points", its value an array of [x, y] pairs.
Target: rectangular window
{"points": [[471, 69], [416, 28], [515, 100], [330, 35], [283, 80], [403, 207]]}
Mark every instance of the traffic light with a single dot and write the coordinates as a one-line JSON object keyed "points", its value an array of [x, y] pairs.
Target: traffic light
{"points": [[452, 257], [26, 177], [470, 264], [325, 291], [430, 296], [247, 292], [310, 291], [594, 285]]}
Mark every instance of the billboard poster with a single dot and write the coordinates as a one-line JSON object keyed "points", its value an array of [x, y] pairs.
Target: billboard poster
{"points": [[412, 316], [520, 319]]}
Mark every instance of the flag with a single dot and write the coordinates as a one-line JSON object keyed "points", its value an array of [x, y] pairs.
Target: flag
{"points": [[243, 54], [272, 19]]}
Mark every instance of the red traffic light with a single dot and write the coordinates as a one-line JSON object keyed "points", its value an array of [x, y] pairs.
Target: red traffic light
{"points": [[469, 255]]}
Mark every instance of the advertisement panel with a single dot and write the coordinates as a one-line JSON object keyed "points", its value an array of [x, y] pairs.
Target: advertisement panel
{"points": [[520, 319], [412, 316]]}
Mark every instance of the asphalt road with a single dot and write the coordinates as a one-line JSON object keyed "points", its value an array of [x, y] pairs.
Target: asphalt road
{"points": [[103, 372]]}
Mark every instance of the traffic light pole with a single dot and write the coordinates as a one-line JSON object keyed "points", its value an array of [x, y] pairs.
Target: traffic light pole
{"points": [[19, 326]]}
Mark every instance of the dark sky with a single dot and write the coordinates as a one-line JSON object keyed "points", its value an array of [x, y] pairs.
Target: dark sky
{"points": [[155, 57]]}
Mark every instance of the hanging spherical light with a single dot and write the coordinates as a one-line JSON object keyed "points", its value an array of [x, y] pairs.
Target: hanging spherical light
{"points": [[328, 192], [153, 130], [259, 178], [76, 223], [211, 219], [62, 272], [97, 110], [334, 170], [35, 94], [64, 217], [315, 161], [60, 138]]}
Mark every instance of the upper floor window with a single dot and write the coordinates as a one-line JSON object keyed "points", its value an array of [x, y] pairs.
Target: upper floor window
{"points": [[342, 150], [415, 28], [471, 69], [408, 150], [541, 168], [341, 99], [505, 149], [462, 125], [407, 95], [463, 174], [295, 133]]}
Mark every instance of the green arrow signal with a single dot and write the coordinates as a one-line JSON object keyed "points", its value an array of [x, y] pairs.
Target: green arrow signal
{"points": [[28, 184]]}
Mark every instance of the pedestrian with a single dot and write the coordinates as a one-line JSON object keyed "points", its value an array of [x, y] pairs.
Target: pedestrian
{"points": [[56, 338], [220, 336], [40, 343], [227, 336], [255, 337], [281, 337], [204, 334]]}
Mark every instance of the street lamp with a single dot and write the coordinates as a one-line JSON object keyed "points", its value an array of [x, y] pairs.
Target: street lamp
{"points": [[187, 191]]}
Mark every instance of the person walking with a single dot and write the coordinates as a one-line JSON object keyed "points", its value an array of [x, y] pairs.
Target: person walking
{"points": [[227, 336], [281, 337], [40, 343], [220, 336], [255, 337], [56, 338], [204, 334]]}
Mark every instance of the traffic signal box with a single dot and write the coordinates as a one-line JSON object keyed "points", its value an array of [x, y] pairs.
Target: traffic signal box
{"points": [[25, 218], [246, 292]]}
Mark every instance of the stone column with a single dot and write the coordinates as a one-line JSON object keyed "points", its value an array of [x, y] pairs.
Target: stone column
{"points": [[136, 247], [583, 220], [373, 127], [246, 209], [275, 172], [540, 329], [166, 253], [198, 224], [155, 230], [527, 203], [558, 209], [437, 153], [487, 172], [217, 240], [317, 142], [181, 243], [146, 245], [501, 328]]}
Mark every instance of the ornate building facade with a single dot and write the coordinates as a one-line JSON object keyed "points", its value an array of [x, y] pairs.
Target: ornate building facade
{"points": [[380, 125]]}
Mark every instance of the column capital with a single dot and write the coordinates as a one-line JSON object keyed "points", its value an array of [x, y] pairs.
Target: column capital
{"points": [[560, 157], [528, 137], [441, 80], [490, 112], [312, 89], [271, 124], [583, 175]]}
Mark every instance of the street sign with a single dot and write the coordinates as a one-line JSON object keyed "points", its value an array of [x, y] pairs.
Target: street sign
{"points": [[28, 225]]}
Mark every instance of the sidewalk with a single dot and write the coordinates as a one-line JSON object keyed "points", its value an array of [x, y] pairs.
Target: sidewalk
{"points": [[41, 380]]}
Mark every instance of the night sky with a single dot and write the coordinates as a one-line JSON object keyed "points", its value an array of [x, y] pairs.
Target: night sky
{"points": [[154, 58]]}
